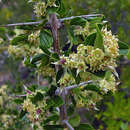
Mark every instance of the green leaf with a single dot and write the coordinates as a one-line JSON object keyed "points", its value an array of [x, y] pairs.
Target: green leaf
{"points": [[99, 39], [33, 87], [61, 9], [51, 91], [92, 88], [44, 49], [22, 114], [51, 118], [52, 10], [38, 97], [124, 126], [58, 101], [45, 60], [46, 41], [70, 110], [59, 74], [128, 55], [53, 127], [74, 74], [75, 120], [78, 21], [72, 37], [43, 88], [123, 48], [90, 39], [37, 58], [55, 56], [22, 38], [27, 62], [108, 75], [122, 45], [18, 101], [99, 74], [84, 127], [3, 30]]}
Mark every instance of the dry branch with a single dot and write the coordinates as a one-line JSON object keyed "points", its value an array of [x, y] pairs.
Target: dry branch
{"points": [[60, 20], [78, 85]]}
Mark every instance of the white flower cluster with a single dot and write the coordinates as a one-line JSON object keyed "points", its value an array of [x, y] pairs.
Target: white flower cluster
{"points": [[92, 98], [66, 80], [31, 108], [40, 9], [35, 111], [108, 84], [23, 50], [1, 40], [84, 31], [51, 3], [34, 38], [110, 43], [95, 58], [46, 71]]}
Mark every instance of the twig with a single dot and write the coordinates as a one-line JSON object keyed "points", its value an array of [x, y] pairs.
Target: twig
{"points": [[61, 20], [68, 124], [19, 96], [81, 16], [78, 85], [21, 24], [66, 89], [6, 34], [54, 29], [54, 24]]}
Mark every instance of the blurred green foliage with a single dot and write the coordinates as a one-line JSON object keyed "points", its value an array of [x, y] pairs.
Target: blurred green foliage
{"points": [[116, 116], [14, 11], [116, 12], [125, 77]]}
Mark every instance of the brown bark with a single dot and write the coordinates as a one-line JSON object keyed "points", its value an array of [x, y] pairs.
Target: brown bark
{"points": [[54, 24]]}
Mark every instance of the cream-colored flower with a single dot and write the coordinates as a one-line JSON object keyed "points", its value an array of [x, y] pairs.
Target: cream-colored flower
{"points": [[97, 54], [1, 40], [108, 85], [34, 37], [110, 43], [31, 109], [46, 71], [51, 3], [66, 80], [40, 9]]}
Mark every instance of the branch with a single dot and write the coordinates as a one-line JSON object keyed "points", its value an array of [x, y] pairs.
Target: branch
{"points": [[66, 89], [81, 16], [18, 96], [61, 20], [68, 125], [78, 85], [54, 23], [21, 24]]}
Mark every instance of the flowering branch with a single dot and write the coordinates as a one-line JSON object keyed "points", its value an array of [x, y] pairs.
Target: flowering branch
{"points": [[67, 124], [60, 20]]}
